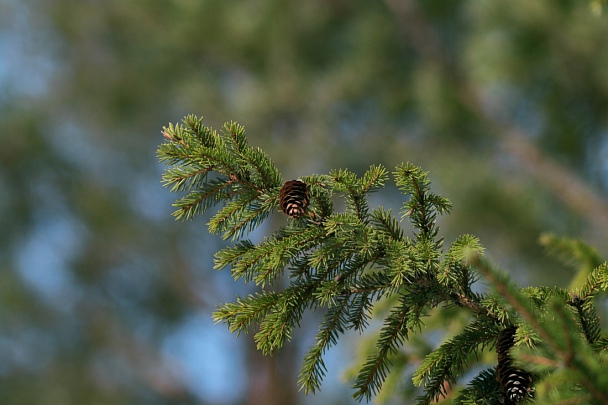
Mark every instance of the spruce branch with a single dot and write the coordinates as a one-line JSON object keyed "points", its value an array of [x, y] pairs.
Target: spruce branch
{"points": [[482, 390], [573, 253], [244, 177], [423, 206], [570, 251], [450, 360], [240, 314], [596, 282], [313, 368], [578, 356], [508, 291], [395, 330], [357, 264], [560, 336], [385, 223], [587, 319]]}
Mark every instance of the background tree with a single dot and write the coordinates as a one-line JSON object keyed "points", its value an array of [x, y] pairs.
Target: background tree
{"points": [[504, 102]]}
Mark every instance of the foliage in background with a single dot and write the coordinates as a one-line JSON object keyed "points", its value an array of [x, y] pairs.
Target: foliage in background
{"points": [[343, 262], [97, 281]]}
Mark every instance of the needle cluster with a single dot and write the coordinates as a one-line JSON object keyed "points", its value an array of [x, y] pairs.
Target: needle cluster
{"points": [[347, 263]]}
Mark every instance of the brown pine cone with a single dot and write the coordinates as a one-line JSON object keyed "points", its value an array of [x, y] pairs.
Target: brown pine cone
{"points": [[515, 383], [294, 198]]}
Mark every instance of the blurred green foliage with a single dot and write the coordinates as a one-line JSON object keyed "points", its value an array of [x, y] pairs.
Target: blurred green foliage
{"points": [[95, 274]]}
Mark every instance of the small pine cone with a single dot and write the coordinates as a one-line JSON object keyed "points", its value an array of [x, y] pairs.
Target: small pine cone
{"points": [[294, 198], [505, 342], [515, 384]]}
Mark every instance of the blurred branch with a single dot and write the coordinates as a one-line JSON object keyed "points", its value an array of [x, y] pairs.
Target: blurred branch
{"points": [[573, 191]]}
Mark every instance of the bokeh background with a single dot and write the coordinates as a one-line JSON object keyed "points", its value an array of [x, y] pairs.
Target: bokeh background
{"points": [[105, 299]]}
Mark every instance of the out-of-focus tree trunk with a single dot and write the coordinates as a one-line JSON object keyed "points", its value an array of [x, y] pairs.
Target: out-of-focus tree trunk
{"points": [[272, 379]]}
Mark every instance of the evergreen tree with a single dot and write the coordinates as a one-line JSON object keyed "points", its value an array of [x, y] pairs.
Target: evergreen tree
{"points": [[548, 340]]}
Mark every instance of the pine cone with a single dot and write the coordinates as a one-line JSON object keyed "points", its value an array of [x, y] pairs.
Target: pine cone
{"points": [[294, 198], [515, 384]]}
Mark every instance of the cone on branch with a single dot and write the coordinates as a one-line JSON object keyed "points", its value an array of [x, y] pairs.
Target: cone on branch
{"points": [[516, 384], [294, 198]]}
